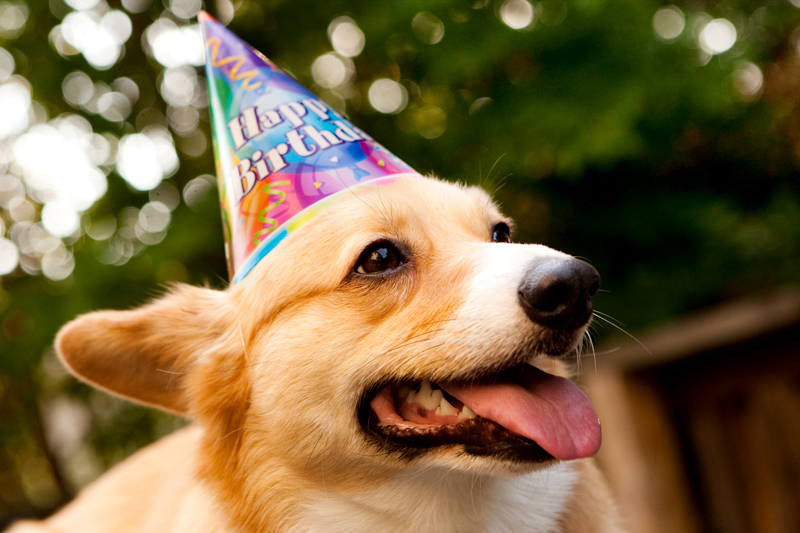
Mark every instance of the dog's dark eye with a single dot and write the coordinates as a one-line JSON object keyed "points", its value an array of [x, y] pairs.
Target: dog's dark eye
{"points": [[501, 233], [379, 257]]}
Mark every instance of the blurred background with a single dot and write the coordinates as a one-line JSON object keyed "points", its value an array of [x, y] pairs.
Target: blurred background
{"points": [[659, 141]]}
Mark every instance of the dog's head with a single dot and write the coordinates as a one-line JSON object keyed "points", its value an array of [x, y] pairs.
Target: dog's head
{"points": [[394, 331]]}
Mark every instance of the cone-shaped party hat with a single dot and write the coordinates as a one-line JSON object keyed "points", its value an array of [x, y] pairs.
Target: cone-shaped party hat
{"points": [[281, 153]]}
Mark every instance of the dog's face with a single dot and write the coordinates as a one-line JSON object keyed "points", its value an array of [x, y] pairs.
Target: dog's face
{"points": [[390, 333]]}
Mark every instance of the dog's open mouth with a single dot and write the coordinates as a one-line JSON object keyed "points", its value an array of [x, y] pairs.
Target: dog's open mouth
{"points": [[523, 413]]}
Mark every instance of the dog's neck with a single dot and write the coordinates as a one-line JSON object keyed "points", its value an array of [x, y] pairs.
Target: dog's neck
{"points": [[444, 501]]}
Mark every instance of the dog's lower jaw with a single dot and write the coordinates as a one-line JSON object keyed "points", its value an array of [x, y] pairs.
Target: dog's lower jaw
{"points": [[440, 500]]}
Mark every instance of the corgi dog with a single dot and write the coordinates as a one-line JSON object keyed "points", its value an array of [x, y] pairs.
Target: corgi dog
{"points": [[393, 366]]}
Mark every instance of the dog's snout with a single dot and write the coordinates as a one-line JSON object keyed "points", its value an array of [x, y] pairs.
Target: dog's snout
{"points": [[557, 293]]}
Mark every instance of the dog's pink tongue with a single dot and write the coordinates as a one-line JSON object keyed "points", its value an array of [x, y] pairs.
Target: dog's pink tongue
{"points": [[549, 410]]}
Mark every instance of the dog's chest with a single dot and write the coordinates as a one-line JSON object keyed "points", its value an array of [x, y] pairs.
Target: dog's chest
{"points": [[446, 502]]}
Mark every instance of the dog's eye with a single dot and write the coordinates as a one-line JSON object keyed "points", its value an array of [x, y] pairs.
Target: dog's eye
{"points": [[379, 257], [501, 233]]}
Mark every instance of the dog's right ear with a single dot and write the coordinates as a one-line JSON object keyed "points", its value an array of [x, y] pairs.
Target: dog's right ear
{"points": [[144, 354]]}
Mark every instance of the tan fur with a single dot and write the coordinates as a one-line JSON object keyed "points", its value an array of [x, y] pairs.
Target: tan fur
{"points": [[271, 371]]}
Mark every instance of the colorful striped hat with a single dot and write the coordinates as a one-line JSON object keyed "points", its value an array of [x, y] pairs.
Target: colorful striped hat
{"points": [[281, 153]]}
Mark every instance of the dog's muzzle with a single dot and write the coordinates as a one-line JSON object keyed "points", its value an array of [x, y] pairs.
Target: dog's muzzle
{"points": [[519, 413]]}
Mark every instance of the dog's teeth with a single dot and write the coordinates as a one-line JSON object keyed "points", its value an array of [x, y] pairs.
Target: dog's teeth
{"points": [[445, 408], [425, 388], [427, 397], [466, 413]]}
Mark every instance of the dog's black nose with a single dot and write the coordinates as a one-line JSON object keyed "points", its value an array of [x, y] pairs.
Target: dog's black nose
{"points": [[557, 293]]}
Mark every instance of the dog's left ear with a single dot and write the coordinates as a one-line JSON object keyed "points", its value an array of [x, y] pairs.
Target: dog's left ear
{"points": [[144, 354]]}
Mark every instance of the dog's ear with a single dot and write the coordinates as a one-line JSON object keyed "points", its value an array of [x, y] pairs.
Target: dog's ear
{"points": [[144, 354]]}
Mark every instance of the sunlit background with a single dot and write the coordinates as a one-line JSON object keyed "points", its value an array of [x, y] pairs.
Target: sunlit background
{"points": [[658, 140], [56, 168]]}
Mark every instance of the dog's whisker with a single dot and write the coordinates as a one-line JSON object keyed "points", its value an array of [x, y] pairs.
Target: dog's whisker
{"points": [[350, 189], [472, 492], [578, 351], [611, 350], [625, 332], [488, 174], [311, 455], [480, 491], [500, 184], [414, 340], [240, 428], [608, 317], [173, 372], [430, 347], [594, 353], [425, 336], [385, 214]]}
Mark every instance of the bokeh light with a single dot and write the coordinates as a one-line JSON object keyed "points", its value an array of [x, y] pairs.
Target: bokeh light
{"points": [[330, 70], [102, 228], [112, 103], [717, 36], [185, 9], [430, 121], [7, 64], [166, 194], [516, 14], [346, 37], [99, 38], [56, 177], [154, 217], [77, 88], [75, 180], [183, 120], [196, 191], [748, 80], [13, 18], [427, 27], [127, 87], [58, 264], [669, 22], [15, 102], [21, 210], [60, 218], [478, 104], [144, 159], [114, 107], [9, 256], [180, 86], [174, 46], [81, 4], [193, 143], [136, 6], [387, 96]]}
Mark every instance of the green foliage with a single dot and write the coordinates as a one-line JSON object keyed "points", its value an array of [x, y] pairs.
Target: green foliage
{"points": [[647, 156]]}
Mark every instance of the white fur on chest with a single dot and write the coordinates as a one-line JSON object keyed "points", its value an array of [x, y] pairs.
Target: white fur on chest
{"points": [[440, 501]]}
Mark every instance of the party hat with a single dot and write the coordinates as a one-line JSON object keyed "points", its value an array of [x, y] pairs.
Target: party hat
{"points": [[281, 153]]}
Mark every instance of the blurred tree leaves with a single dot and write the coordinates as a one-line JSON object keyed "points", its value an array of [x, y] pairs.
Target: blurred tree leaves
{"points": [[600, 137]]}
